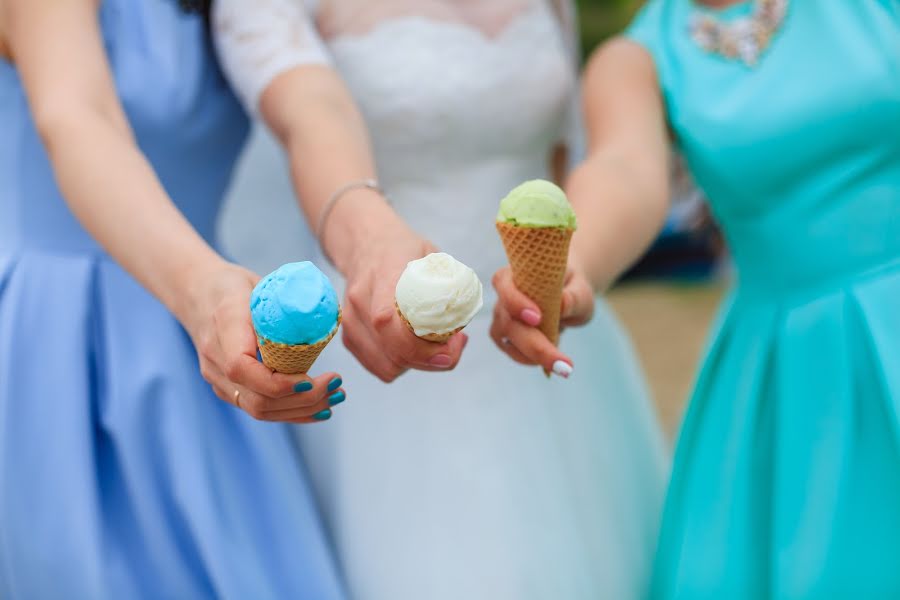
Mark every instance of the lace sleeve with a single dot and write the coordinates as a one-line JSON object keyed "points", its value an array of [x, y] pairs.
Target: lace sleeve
{"points": [[257, 40]]}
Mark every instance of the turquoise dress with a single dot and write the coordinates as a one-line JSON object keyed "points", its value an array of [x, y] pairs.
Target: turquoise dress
{"points": [[786, 481], [122, 476]]}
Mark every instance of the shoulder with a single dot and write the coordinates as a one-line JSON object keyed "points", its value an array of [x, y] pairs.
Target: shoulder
{"points": [[656, 34], [621, 59]]}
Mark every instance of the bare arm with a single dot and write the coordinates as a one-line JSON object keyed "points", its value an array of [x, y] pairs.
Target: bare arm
{"points": [[621, 191], [4, 46], [113, 191], [57, 48], [313, 115]]}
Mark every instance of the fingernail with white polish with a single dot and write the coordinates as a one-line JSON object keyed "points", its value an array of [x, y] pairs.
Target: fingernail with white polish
{"points": [[562, 368]]}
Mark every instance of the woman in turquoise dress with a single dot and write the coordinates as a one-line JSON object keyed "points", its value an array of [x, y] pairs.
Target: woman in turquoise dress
{"points": [[121, 473], [786, 481]]}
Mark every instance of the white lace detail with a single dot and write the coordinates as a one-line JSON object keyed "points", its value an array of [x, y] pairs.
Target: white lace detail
{"points": [[355, 18], [259, 39]]}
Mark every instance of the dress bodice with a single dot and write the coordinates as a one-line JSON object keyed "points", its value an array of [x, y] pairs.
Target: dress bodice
{"points": [[462, 103], [800, 155], [185, 120]]}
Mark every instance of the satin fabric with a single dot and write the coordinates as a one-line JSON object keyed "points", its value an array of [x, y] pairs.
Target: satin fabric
{"points": [[121, 474], [786, 481]]}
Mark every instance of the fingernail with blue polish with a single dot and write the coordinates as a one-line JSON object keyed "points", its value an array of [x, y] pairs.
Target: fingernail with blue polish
{"points": [[302, 386], [258, 355], [335, 384], [336, 398], [323, 415]]}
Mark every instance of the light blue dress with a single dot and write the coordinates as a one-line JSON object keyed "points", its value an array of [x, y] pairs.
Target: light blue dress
{"points": [[787, 474], [121, 474]]}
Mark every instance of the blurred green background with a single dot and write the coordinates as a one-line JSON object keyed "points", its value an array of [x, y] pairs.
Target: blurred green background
{"points": [[603, 18]]}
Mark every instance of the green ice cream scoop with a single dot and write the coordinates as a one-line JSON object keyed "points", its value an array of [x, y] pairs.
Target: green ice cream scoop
{"points": [[537, 203]]}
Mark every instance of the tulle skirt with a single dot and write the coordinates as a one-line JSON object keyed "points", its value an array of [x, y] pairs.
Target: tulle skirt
{"points": [[492, 482]]}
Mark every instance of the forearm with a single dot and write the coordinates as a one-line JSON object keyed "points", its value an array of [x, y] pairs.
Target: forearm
{"points": [[113, 191], [327, 143], [619, 216], [329, 149], [621, 192]]}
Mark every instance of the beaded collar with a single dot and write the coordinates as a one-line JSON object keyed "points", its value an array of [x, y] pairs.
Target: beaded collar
{"points": [[743, 39]]}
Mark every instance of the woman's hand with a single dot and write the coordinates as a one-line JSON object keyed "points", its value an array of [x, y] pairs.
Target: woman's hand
{"points": [[218, 320], [372, 329], [516, 318]]}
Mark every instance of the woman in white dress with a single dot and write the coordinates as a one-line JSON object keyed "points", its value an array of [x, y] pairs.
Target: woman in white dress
{"points": [[481, 479]]}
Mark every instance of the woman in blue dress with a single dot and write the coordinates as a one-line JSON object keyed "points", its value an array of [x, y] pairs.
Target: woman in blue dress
{"points": [[121, 474], [786, 481]]}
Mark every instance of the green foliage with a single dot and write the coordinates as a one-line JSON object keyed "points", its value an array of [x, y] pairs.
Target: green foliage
{"points": [[601, 19]]}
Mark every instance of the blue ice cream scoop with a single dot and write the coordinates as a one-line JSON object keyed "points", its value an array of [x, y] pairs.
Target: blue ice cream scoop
{"points": [[295, 304]]}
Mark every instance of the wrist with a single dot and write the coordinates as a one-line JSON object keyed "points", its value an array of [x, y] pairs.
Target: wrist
{"points": [[191, 284], [357, 223]]}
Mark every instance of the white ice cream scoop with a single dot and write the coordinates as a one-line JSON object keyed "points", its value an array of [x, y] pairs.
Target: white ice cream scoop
{"points": [[437, 296]]}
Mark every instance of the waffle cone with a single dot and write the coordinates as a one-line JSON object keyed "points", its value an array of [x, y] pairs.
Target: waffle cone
{"points": [[293, 359], [537, 257], [439, 338]]}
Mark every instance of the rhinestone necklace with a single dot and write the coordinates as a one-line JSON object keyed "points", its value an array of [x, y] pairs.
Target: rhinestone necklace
{"points": [[743, 39]]}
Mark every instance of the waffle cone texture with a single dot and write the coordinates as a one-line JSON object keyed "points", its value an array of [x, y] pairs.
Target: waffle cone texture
{"points": [[538, 257], [438, 338], [293, 359]]}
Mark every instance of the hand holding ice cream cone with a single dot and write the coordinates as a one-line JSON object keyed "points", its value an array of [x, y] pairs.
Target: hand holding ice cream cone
{"points": [[220, 324], [535, 223], [373, 328]]}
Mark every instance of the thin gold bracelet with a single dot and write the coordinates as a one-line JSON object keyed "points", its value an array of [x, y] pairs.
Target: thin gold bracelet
{"points": [[362, 184]]}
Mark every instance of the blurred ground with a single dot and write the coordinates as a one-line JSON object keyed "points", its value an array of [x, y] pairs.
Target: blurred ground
{"points": [[668, 323]]}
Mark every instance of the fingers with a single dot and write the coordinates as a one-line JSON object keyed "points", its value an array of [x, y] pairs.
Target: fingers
{"points": [[505, 345], [527, 345], [320, 411], [403, 348], [310, 397], [236, 356], [517, 304], [359, 341], [237, 359]]}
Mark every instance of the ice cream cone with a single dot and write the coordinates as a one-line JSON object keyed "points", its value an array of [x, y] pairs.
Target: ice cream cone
{"points": [[439, 338], [537, 257], [293, 359], [437, 296]]}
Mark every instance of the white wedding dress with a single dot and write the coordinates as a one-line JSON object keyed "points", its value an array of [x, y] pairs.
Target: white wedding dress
{"points": [[490, 482]]}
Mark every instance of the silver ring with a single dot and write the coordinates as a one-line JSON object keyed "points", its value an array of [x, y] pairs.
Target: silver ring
{"points": [[506, 341], [237, 398]]}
